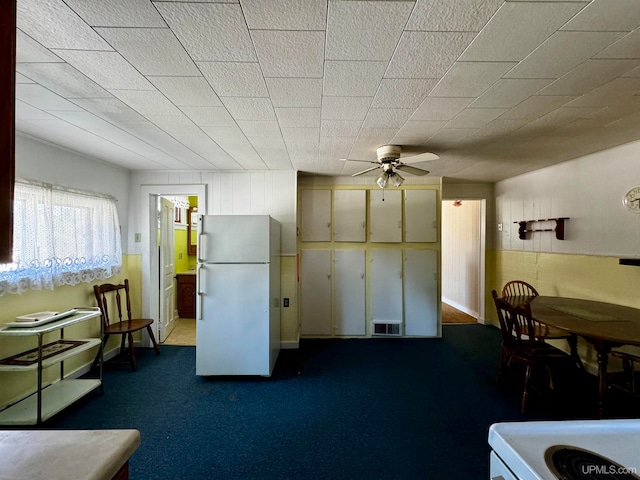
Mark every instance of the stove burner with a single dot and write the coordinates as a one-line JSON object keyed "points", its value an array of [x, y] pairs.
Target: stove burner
{"points": [[573, 463]]}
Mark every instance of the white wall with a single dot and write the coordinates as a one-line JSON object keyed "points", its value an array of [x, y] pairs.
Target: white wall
{"points": [[589, 190], [44, 162]]}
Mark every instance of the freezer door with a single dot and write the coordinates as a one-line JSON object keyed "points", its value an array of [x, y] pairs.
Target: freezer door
{"points": [[234, 239], [233, 326]]}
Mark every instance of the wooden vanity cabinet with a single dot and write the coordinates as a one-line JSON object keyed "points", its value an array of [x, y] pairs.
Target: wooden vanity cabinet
{"points": [[186, 284]]}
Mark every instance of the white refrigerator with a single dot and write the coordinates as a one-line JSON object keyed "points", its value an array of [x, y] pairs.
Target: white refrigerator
{"points": [[238, 295]]}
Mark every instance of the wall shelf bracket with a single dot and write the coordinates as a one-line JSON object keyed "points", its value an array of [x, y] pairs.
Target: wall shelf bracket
{"points": [[559, 227]]}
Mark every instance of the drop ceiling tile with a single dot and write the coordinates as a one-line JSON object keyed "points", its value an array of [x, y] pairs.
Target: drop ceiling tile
{"points": [[111, 109], [25, 111], [448, 137], [385, 118], [39, 97], [302, 151], [589, 75], [259, 128], [209, 150], [275, 142], [470, 79], [55, 25], [340, 128], [632, 73], [440, 108], [234, 79], [500, 127], [537, 106], [607, 15], [298, 117], [345, 108], [353, 79], [365, 30], [375, 135], [245, 155], [226, 135], [62, 79], [22, 79], [108, 69], [300, 135], [152, 51], [561, 52], [274, 53], [210, 32], [458, 16], [427, 54], [535, 22], [335, 147], [147, 102], [30, 51], [275, 158], [627, 47], [117, 13], [249, 108], [295, 92], [402, 93], [560, 117], [209, 116], [507, 93], [175, 125], [85, 120], [187, 91], [421, 130], [616, 92], [475, 117], [285, 14]]}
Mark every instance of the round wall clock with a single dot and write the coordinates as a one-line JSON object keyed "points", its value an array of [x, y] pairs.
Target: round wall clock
{"points": [[632, 200]]}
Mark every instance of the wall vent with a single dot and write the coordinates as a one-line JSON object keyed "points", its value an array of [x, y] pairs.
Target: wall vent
{"points": [[386, 327]]}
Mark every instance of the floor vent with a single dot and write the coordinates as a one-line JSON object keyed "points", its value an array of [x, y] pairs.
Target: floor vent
{"points": [[386, 328]]}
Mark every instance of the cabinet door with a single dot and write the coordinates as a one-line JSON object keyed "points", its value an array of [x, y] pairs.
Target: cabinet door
{"points": [[349, 287], [385, 208], [420, 216], [386, 285], [421, 293], [315, 290], [315, 212], [349, 215]]}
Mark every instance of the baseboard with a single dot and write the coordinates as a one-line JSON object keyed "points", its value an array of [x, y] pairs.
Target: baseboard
{"points": [[290, 345], [462, 308]]}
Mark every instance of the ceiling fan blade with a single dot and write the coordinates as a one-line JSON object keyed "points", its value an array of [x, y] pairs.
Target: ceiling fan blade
{"points": [[423, 157], [365, 171], [413, 170], [356, 160]]}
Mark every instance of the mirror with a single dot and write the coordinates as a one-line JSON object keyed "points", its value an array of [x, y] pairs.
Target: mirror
{"points": [[192, 231]]}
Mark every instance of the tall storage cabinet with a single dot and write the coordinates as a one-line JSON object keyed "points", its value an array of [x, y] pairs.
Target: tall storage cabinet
{"points": [[350, 292], [421, 293], [315, 291]]}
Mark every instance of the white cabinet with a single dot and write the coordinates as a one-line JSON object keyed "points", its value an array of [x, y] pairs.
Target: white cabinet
{"points": [[315, 215], [315, 291], [51, 398], [386, 285], [385, 208], [421, 293], [420, 216], [349, 215], [349, 288]]}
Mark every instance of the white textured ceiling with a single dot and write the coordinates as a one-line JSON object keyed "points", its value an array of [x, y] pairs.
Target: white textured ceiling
{"points": [[495, 88]]}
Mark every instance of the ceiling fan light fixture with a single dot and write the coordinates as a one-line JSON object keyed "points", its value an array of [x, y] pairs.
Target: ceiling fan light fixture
{"points": [[396, 179], [383, 180]]}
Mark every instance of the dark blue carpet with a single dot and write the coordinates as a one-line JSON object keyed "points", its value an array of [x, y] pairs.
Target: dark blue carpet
{"points": [[372, 408]]}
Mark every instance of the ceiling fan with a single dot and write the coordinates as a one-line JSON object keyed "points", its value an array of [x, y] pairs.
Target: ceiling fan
{"points": [[389, 160]]}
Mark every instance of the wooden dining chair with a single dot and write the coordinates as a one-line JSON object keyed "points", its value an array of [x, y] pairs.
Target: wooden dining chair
{"points": [[520, 288], [518, 345], [110, 295], [628, 380]]}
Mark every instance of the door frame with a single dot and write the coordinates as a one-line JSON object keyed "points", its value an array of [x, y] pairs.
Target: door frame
{"points": [[482, 250], [149, 239]]}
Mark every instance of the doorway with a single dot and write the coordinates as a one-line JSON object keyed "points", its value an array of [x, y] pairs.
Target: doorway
{"points": [[463, 261], [149, 239]]}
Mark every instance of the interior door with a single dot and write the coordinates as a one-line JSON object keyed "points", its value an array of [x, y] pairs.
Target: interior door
{"points": [[167, 270]]}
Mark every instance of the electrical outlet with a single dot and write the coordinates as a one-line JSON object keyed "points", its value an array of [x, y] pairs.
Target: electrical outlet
{"points": [[179, 255], [138, 237], [285, 302], [499, 227]]}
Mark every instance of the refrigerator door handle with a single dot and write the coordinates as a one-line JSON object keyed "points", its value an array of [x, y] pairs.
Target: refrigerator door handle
{"points": [[199, 292]]}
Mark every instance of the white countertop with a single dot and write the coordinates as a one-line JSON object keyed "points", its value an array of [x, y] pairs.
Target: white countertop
{"points": [[65, 454]]}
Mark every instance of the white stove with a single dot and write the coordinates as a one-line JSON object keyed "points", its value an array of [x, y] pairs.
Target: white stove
{"points": [[581, 449]]}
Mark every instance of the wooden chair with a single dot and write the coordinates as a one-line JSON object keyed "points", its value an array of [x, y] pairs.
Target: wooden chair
{"points": [[628, 380], [520, 288], [520, 346], [108, 295]]}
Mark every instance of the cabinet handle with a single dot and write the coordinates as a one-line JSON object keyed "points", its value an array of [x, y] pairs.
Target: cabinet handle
{"points": [[399, 223], [199, 295]]}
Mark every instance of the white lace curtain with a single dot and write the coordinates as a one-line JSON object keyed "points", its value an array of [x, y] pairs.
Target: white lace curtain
{"points": [[61, 237]]}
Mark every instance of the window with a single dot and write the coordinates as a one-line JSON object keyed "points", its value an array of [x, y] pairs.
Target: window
{"points": [[61, 237]]}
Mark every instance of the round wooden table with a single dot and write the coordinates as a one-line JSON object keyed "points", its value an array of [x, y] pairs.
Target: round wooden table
{"points": [[605, 325]]}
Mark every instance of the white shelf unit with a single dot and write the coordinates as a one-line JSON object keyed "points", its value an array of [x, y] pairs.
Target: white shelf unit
{"points": [[54, 397]]}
